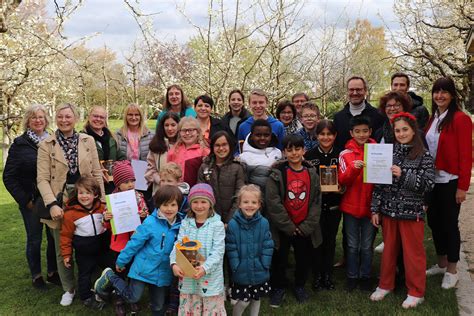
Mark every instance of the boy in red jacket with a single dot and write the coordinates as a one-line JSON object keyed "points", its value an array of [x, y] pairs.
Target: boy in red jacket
{"points": [[355, 205]]}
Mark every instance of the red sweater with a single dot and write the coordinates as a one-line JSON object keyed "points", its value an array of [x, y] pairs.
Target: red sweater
{"points": [[454, 153], [356, 200]]}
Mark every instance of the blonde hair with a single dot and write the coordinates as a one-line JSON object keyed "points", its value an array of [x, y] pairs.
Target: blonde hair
{"points": [[68, 106], [250, 188], [142, 126], [172, 169], [96, 107], [194, 122], [211, 212], [31, 112], [258, 92]]}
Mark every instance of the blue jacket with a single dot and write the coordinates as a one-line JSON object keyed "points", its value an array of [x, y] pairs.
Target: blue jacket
{"points": [[249, 247], [277, 128], [151, 245]]}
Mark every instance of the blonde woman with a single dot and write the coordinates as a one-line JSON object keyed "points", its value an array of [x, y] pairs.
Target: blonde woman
{"points": [[134, 137]]}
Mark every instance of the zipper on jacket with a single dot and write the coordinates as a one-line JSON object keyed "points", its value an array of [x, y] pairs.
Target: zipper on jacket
{"points": [[162, 240], [93, 224]]}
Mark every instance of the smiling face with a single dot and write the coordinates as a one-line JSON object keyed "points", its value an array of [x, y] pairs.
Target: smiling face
{"points": [[310, 119], [400, 84], [171, 128], [169, 210], [203, 110], [128, 185], [175, 97], [294, 155], [97, 119], [167, 179], [298, 101], [66, 121], [326, 139], [37, 123], [189, 134], [249, 203], [258, 105], [356, 91], [361, 134], [392, 107], [236, 102], [200, 208], [85, 197], [403, 132], [443, 99], [286, 116], [221, 149], [133, 118], [261, 136]]}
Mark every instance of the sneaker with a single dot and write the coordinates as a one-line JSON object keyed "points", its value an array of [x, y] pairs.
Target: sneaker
{"points": [[102, 285], [67, 298], [449, 280], [301, 295], [276, 297], [351, 284], [54, 278], [435, 269], [379, 294], [327, 283], [39, 284], [379, 248], [412, 301], [365, 284], [93, 304]]}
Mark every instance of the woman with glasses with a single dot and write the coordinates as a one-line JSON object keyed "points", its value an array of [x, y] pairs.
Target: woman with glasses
{"points": [[390, 104], [286, 113]]}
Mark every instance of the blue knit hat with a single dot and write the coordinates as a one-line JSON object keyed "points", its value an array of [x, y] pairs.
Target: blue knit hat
{"points": [[202, 191]]}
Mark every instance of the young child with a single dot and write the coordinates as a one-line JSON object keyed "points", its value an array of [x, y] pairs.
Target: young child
{"points": [[203, 293], [224, 174], [402, 206], [310, 119], [259, 153], [149, 248], [170, 174], [249, 248], [355, 205], [82, 230], [326, 154], [293, 198]]}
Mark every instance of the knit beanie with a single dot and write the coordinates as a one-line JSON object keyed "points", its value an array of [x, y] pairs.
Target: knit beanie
{"points": [[202, 191], [122, 172]]}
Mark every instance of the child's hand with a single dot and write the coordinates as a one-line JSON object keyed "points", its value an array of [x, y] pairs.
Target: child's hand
{"points": [[143, 213], [119, 269], [108, 216], [177, 271], [67, 262], [225, 226], [358, 164], [396, 171], [200, 273], [375, 220]]}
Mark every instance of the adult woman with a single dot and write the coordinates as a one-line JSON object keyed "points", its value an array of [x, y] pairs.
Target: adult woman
{"points": [[19, 177], [176, 101], [449, 141], [62, 158], [165, 136], [209, 125], [237, 112], [286, 113], [390, 104], [134, 137], [107, 148]]}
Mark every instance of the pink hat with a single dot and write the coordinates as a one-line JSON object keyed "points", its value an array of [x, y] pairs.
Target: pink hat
{"points": [[202, 191], [122, 172]]}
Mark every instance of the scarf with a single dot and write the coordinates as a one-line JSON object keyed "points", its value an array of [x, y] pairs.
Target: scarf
{"points": [[69, 145], [35, 138], [102, 140]]}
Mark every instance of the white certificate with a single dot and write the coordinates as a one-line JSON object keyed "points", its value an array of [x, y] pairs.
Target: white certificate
{"points": [[139, 168], [378, 160], [124, 208]]}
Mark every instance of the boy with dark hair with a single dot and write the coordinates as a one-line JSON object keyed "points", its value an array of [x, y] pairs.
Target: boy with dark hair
{"points": [[355, 205], [293, 199]]}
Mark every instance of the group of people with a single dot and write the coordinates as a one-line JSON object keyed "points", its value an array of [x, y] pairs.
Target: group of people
{"points": [[247, 188]]}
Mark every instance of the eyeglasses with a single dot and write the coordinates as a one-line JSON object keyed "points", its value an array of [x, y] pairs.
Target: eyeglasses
{"points": [[188, 130], [101, 117], [393, 106], [357, 90], [310, 117]]}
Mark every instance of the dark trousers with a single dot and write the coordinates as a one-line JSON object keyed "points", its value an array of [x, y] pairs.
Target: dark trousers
{"points": [[443, 215], [34, 237], [303, 248], [324, 255]]}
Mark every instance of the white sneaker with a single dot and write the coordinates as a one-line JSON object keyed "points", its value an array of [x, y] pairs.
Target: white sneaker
{"points": [[449, 280], [412, 301], [379, 248], [379, 294], [67, 298], [435, 270]]}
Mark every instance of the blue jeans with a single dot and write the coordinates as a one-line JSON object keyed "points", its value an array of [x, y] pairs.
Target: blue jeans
{"points": [[360, 234], [133, 291], [34, 237]]}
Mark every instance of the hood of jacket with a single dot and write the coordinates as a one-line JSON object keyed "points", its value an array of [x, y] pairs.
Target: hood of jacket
{"points": [[156, 214], [73, 204], [250, 146]]}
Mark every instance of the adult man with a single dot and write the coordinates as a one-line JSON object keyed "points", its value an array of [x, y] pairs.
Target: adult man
{"points": [[401, 83], [258, 103], [356, 93], [298, 99]]}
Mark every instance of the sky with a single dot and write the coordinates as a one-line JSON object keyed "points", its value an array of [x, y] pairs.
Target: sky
{"points": [[110, 23]]}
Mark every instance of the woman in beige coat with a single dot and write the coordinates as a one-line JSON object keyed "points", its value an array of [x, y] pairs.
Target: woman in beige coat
{"points": [[62, 158]]}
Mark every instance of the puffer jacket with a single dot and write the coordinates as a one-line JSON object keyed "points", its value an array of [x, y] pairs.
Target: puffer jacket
{"points": [[419, 110], [143, 148], [404, 198], [356, 199], [226, 180], [249, 248], [150, 246], [212, 237], [189, 159], [277, 214]]}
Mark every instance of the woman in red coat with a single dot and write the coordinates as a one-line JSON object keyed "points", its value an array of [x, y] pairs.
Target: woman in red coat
{"points": [[449, 140]]}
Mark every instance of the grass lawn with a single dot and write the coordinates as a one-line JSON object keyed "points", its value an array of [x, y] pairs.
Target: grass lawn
{"points": [[17, 296]]}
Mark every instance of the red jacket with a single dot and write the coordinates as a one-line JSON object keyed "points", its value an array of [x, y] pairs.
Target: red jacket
{"points": [[356, 200], [454, 153]]}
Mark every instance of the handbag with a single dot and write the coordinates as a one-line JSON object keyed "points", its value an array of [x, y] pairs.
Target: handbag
{"points": [[41, 210]]}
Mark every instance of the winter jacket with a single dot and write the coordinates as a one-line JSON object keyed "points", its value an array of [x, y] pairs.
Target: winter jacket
{"points": [[404, 198], [143, 147], [249, 248], [114, 152], [309, 140], [342, 118], [189, 159], [419, 110], [280, 221], [19, 175], [212, 237], [52, 169], [216, 126], [150, 248], [226, 180], [244, 114], [81, 227], [188, 112], [277, 128], [154, 163], [356, 199]]}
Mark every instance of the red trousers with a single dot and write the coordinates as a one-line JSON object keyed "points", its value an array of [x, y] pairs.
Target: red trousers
{"points": [[410, 235]]}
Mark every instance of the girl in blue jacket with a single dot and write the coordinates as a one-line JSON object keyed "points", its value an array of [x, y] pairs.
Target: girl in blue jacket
{"points": [[149, 247], [249, 247]]}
